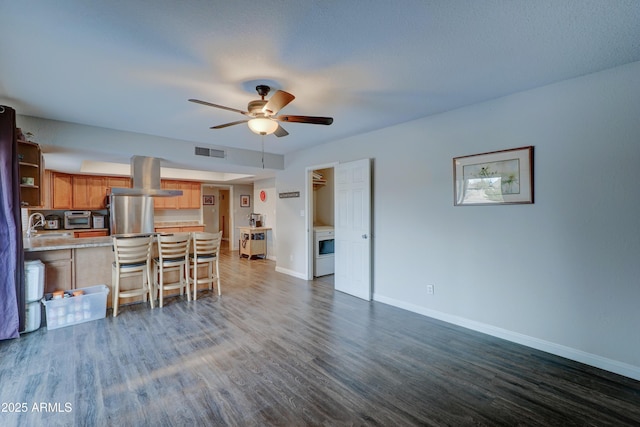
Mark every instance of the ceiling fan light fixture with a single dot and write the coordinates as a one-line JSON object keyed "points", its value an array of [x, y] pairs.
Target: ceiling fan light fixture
{"points": [[262, 126]]}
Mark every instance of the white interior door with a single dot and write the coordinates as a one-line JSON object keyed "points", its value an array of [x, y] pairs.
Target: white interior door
{"points": [[353, 228]]}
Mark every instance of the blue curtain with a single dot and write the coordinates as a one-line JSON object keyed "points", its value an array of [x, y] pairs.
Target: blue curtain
{"points": [[11, 255]]}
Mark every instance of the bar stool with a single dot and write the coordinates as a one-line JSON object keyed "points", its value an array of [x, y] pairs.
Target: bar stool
{"points": [[173, 255], [132, 258], [206, 247]]}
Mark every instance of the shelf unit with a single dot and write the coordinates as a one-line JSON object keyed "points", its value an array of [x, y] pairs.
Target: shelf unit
{"points": [[318, 180], [30, 163], [253, 241]]}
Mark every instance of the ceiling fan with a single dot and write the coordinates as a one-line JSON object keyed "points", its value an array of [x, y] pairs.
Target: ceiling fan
{"points": [[262, 113]]}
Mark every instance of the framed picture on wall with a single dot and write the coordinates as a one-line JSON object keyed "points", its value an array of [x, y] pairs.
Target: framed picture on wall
{"points": [[245, 201], [494, 178], [208, 200]]}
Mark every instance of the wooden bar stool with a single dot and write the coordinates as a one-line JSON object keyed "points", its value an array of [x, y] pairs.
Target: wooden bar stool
{"points": [[173, 255], [132, 258], [206, 248]]}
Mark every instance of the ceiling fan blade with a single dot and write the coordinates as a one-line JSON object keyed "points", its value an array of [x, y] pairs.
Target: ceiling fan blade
{"points": [[277, 102], [228, 124], [280, 132], [208, 104], [306, 119]]}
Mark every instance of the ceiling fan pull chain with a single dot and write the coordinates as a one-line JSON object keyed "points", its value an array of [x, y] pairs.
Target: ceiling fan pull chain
{"points": [[262, 137]]}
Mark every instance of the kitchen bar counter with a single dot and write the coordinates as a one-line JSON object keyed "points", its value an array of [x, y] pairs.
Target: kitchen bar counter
{"points": [[38, 244]]}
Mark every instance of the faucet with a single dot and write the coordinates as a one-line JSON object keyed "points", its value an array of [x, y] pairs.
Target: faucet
{"points": [[32, 225]]}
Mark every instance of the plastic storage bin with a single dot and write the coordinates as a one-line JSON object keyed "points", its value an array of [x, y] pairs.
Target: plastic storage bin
{"points": [[67, 311]]}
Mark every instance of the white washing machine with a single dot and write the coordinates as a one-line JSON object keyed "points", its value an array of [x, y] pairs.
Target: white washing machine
{"points": [[324, 247]]}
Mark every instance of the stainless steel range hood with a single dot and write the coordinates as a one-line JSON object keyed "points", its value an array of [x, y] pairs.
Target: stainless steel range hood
{"points": [[145, 172]]}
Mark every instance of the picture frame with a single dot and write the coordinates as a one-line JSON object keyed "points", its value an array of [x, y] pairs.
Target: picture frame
{"points": [[502, 177], [245, 201], [208, 200]]}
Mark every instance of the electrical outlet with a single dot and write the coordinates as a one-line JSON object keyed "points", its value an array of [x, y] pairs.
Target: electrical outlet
{"points": [[430, 289]]}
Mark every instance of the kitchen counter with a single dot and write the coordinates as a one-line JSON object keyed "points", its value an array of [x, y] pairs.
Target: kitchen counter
{"points": [[179, 227], [177, 224], [38, 244]]}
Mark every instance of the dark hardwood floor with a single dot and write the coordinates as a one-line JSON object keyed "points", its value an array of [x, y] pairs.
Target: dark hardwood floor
{"points": [[275, 350]]}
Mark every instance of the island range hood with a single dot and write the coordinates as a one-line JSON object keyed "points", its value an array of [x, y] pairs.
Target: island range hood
{"points": [[145, 173]]}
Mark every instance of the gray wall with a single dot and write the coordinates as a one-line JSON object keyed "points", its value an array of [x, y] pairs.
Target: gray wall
{"points": [[563, 274], [267, 209]]}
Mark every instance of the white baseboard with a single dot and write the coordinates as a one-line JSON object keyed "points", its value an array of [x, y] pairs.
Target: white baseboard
{"points": [[291, 273], [610, 365]]}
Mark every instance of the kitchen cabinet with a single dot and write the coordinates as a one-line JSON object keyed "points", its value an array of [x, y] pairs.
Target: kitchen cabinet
{"points": [[117, 182], [190, 199], [90, 233], [167, 202], [58, 268], [61, 189], [30, 173], [89, 192], [81, 192], [78, 267]]}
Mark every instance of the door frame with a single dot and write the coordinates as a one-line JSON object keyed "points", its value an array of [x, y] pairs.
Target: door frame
{"points": [[231, 236], [309, 211]]}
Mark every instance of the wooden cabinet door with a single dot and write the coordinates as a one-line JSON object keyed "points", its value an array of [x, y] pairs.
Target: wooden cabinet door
{"points": [[183, 201], [191, 194], [116, 182], [161, 202], [190, 199], [195, 195], [166, 202], [88, 192], [58, 265], [174, 202], [61, 191]]}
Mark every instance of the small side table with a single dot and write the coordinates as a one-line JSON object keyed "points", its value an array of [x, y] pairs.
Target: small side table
{"points": [[253, 241]]}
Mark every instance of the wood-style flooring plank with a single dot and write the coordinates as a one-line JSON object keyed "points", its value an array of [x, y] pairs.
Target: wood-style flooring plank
{"points": [[276, 350]]}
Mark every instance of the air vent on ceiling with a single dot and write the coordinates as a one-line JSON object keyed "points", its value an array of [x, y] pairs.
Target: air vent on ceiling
{"points": [[209, 152]]}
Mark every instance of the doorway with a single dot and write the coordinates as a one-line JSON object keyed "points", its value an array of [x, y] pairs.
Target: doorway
{"points": [[351, 198], [320, 220], [216, 214]]}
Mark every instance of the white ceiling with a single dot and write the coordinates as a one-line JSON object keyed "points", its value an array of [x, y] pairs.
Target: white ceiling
{"points": [[132, 64]]}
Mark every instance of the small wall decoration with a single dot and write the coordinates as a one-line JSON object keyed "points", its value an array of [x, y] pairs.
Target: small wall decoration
{"points": [[497, 177], [245, 201], [208, 200], [289, 194], [263, 195]]}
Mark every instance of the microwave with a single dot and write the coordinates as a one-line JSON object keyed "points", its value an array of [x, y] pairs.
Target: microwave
{"points": [[77, 219]]}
